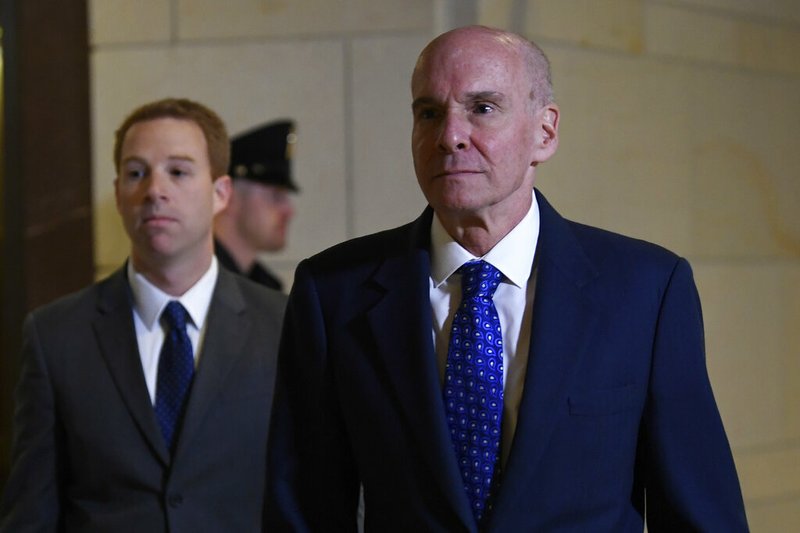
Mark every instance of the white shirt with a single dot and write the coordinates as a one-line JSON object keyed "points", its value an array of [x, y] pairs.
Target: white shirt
{"points": [[148, 303], [513, 257]]}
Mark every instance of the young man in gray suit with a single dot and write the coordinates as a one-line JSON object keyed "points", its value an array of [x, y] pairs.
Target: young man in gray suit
{"points": [[144, 399]]}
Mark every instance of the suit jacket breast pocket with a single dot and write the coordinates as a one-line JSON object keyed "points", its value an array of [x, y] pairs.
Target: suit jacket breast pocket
{"points": [[604, 401]]}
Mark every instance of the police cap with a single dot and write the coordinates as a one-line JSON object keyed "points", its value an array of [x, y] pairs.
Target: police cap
{"points": [[263, 154]]}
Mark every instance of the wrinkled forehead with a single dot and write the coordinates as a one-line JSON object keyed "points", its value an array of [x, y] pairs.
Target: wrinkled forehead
{"points": [[466, 60]]}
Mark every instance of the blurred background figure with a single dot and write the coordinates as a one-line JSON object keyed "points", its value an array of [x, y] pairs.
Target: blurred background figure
{"points": [[261, 207]]}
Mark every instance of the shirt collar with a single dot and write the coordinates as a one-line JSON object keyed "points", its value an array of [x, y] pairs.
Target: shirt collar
{"points": [[149, 301], [513, 255]]}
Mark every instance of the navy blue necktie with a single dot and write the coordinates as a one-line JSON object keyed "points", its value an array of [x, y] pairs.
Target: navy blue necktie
{"points": [[175, 372], [473, 387]]}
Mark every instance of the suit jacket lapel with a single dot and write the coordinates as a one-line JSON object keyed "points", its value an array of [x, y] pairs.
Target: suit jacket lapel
{"points": [[116, 336], [563, 323], [225, 334], [400, 318]]}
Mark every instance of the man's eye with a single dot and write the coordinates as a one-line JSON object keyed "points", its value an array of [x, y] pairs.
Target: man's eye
{"points": [[134, 173], [482, 109], [426, 114]]}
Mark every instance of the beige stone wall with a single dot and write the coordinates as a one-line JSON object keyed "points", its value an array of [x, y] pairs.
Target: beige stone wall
{"points": [[680, 125]]}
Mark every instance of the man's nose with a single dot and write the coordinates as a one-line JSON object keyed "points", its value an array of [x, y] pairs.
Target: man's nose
{"points": [[454, 134], [156, 185]]}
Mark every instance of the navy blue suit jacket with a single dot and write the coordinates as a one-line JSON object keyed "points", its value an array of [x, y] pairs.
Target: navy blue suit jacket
{"points": [[617, 412]]}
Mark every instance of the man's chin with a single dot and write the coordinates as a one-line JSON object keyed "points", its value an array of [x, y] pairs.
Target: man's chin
{"points": [[157, 248], [272, 248]]}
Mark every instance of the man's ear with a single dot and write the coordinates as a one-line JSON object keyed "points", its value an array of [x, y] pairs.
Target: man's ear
{"points": [[546, 138], [116, 192], [550, 124], [222, 193]]}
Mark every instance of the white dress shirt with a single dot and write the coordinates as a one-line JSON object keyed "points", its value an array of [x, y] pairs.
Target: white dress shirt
{"points": [[513, 257], [148, 303]]}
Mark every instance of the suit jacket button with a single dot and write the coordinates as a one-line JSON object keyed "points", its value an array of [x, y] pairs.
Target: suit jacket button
{"points": [[175, 500]]}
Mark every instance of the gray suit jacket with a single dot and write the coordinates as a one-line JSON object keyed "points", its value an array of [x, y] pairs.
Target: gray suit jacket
{"points": [[88, 453]]}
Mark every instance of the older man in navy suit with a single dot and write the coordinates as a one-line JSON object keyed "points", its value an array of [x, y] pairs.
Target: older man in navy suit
{"points": [[144, 399], [492, 366]]}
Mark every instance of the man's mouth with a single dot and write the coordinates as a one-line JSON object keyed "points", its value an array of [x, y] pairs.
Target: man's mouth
{"points": [[157, 219], [457, 172]]}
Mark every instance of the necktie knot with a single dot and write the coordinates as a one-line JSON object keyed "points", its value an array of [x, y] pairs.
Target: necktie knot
{"points": [[175, 315], [479, 279]]}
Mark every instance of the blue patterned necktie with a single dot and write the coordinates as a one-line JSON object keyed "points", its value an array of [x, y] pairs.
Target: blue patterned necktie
{"points": [[175, 372], [473, 387]]}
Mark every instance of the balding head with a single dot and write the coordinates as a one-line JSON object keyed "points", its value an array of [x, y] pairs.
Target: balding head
{"points": [[533, 59], [483, 120]]}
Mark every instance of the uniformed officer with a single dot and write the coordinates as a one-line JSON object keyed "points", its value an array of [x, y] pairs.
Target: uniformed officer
{"points": [[258, 214]]}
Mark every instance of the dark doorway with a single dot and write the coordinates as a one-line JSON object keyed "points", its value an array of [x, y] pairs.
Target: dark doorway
{"points": [[45, 179]]}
